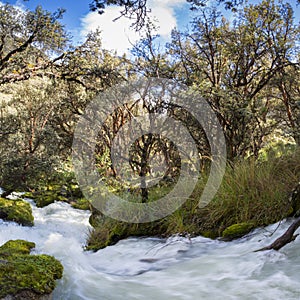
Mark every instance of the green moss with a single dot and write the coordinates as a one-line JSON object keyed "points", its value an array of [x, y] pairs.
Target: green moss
{"points": [[209, 234], [16, 247], [20, 271], [108, 231], [18, 211], [28, 195], [45, 198], [59, 189], [82, 203], [237, 230]]}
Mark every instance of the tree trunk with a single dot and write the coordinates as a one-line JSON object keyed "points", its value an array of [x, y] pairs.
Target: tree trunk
{"points": [[144, 189]]}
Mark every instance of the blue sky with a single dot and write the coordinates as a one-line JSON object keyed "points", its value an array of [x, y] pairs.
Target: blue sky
{"points": [[117, 35]]}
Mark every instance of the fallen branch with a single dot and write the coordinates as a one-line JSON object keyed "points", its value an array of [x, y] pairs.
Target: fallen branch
{"points": [[286, 238]]}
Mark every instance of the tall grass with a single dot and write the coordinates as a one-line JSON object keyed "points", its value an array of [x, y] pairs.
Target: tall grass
{"points": [[252, 191], [255, 191]]}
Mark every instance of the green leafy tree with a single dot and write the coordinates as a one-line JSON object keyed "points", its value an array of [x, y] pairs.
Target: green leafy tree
{"points": [[30, 42], [232, 66], [45, 87]]}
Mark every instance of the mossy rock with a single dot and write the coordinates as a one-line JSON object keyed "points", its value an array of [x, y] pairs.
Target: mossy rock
{"points": [[211, 234], [108, 231], [66, 193], [82, 204], [41, 198], [22, 273], [30, 195], [18, 211], [45, 198], [16, 247], [237, 230], [105, 235]]}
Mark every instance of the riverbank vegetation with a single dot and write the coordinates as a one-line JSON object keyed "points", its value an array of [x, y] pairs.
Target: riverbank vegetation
{"points": [[252, 194], [247, 70]]}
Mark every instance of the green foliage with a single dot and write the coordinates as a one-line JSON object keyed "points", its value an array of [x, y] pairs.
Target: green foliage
{"points": [[252, 194], [44, 87], [241, 68], [61, 186], [18, 211], [21, 272], [33, 148], [27, 38]]}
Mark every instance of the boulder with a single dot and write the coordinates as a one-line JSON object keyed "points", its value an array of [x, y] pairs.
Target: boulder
{"points": [[18, 211], [24, 276], [237, 230]]}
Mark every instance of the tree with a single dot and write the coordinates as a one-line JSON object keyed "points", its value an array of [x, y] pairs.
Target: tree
{"points": [[134, 168], [30, 42], [43, 96], [133, 9], [90, 66], [30, 150], [232, 67], [287, 92], [137, 10]]}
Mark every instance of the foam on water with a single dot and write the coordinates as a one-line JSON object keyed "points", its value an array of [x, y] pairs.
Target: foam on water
{"points": [[150, 268]]}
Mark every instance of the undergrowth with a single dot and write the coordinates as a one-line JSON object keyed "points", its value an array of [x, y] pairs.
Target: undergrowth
{"points": [[253, 191]]}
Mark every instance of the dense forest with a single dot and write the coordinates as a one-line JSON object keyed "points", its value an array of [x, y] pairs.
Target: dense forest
{"points": [[246, 68]]}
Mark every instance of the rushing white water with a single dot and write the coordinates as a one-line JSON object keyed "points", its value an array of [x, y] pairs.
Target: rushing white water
{"points": [[175, 268]]}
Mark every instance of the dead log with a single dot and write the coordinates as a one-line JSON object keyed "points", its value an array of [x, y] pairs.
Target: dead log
{"points": [[286, 238]]}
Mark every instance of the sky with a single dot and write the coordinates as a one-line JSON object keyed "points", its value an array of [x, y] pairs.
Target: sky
{"points": [[117, 35]]}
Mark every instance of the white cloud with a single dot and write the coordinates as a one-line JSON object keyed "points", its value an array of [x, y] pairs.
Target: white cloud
{"points": [[118, 35], [18, 5]]}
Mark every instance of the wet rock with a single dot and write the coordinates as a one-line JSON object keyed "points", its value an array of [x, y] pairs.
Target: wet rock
{"points": [[24, 276], [236, 230], [18, 211]]}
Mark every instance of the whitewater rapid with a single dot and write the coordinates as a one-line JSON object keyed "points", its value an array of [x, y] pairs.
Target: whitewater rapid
{"points": [[160, 269]]}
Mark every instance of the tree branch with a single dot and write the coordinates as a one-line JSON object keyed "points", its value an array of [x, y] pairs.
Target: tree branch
{"points": [[286, 238]]}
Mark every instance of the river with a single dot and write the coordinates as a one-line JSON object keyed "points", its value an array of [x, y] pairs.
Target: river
{"points": [[160, 269]]}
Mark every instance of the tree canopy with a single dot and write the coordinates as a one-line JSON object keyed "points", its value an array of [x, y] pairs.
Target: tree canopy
{"points": [[137, 9], [246, 68]]}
